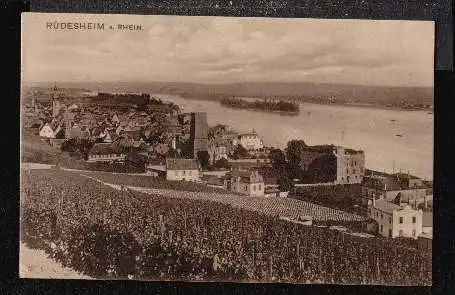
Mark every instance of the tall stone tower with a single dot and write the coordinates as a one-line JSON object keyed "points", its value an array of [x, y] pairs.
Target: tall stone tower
{"points": [[55, 102], [198, 133]]}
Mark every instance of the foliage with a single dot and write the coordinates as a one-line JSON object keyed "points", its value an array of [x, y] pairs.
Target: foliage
{"points": [[222, 163], [294, 150], [104, 232], [267, 105], [203, 158], [77, 145], [239, 152]]}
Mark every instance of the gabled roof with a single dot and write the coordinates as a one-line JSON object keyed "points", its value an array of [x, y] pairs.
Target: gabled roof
{"points": [[405, 175], [386, 183], [181, 164], [386, 206], [246, 176]]}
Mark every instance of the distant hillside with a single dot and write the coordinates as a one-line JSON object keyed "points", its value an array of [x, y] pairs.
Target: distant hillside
{"points": [[310, 92]]}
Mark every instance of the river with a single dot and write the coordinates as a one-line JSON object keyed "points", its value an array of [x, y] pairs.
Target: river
{"points": [[372, 130]]}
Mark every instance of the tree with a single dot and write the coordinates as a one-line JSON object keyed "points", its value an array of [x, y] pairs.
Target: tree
{"points": [[281, 169], [277, 158], [222, 163], [203, 158], [76, 145], [294, 150], [239, 152]]}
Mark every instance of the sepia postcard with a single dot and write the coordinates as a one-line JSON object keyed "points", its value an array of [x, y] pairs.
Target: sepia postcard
{"points": [[178, 148]]}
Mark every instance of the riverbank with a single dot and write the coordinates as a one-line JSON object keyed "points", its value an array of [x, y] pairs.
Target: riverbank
{"points": [[429, 110], [369, 129]]}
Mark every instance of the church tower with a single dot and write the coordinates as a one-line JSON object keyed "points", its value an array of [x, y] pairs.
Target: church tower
{"points": [[55, 102]]}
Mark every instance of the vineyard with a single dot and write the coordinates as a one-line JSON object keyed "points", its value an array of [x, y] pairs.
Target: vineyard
{"points": [[270, 206], [150, 181], [107, 233]]}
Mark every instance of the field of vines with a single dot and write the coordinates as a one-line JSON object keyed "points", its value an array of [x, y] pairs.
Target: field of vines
{"points": [[107, 233], [288, 207], [150, 181]]}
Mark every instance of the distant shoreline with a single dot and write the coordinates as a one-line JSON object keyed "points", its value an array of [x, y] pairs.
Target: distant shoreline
{"points": [[342, 104]]}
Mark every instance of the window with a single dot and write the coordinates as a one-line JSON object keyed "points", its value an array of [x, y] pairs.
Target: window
{"points": [[390, 219], [347, 171], [413, 219], [382, 216], [401, 233], [401, 219], [413, 232], [184, 172], [259, 188], [377, 214], [381, 228], [254, 187], [355, 163]]}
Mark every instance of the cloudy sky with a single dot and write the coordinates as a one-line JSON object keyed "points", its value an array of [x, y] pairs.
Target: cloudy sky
{"points": [[224, 50]]}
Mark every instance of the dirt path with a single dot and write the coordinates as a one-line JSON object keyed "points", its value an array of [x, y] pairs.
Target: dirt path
{"points": [[36, 264]]}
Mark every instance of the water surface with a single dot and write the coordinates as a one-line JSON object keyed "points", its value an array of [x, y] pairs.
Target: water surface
{"points": [[370, 129]]}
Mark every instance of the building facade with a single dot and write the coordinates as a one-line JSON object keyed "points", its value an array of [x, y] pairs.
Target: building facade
{"points": [[396, 221], [106, 153], [332, 164], [51, 130], [350, 165], [182, 169], [250, 141], [217, 152], [391, 189], [199, 133], [245, 182]]}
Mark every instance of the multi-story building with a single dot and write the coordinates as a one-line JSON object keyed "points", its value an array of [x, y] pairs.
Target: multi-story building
{"points": [[245, 182], [198, 133], [217, 152], [330, 163], [250, 141], [392, 189], [182, 169], [396, 221]]}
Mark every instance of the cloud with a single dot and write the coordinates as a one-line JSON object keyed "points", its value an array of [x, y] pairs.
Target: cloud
{"points": [[221, 49]]}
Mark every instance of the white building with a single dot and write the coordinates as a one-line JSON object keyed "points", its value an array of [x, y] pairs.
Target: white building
{"points": [[396, 221], [250, 141], [182, 169], [245, 182], [106, 153], [217, 152], [50, 130]]}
